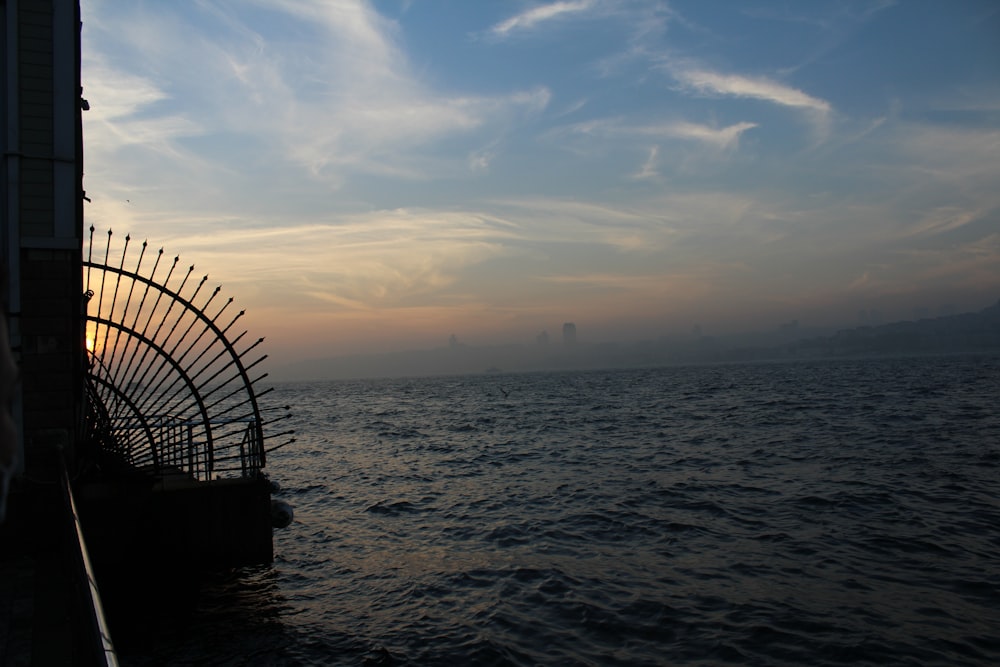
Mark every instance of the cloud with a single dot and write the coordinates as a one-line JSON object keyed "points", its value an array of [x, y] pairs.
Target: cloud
{"points": [[367, 109], [390, 259], [705, 81], [383, 259], [861, 282], [121, 94], [645, 226], [721, 138], [121, 111], [532, 17], [944, 219], [480, 159], [342, 100], [966, 156], [649, 167]]}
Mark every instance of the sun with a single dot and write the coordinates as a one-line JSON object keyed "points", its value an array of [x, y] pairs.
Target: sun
{"points": [[90, 344]]}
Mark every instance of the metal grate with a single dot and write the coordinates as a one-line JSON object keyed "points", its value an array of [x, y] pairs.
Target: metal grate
{"points": [[168, 389]]}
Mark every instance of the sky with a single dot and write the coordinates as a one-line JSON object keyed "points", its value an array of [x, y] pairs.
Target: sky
{"points": [[376, 176]]}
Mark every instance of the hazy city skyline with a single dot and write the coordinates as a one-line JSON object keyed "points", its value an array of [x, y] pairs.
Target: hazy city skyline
{"points": [[947, 334], [370, 177]]}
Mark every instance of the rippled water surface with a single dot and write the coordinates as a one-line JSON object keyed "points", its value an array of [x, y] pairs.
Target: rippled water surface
{"points": [[822, 513]]}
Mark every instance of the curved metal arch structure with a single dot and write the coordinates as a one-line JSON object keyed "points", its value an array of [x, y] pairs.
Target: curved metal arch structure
{"points": [[168, 390]]}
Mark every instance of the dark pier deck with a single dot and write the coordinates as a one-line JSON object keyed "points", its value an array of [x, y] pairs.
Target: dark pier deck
{"points": [[50, 607], [149, 542]]}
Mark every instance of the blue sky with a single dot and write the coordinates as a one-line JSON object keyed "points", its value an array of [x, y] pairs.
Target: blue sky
{"points": [[375, 176]]}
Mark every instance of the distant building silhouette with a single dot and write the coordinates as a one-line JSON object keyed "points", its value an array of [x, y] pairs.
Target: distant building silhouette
{"points": [[569, 334], [453, 342], [542, 338]]}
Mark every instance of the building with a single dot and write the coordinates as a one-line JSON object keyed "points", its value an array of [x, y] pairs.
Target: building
{"points": [[41, 225], [41, 220], [569, 334]]}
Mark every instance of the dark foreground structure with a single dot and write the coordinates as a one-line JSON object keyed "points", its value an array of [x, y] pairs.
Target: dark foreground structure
{"points": [[140, 437]]}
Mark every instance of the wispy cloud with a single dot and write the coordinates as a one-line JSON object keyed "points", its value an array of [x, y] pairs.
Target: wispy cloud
{"points": [[714, 83], [383, 259], [966, 156], [944, 219], [121, 94], [649, 167], [532, 17], [718, 137], [347, 100], [721, 137]]}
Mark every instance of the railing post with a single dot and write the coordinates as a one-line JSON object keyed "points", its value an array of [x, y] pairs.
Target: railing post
{"points": [[190, 449], [209, 455]]}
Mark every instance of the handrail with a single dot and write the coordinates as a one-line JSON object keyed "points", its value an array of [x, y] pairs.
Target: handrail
{"points": [[106, 655], [171, 441]]}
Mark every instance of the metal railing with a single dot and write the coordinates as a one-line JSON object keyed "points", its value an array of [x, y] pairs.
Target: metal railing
{"points": [[169, 384], [182, 445], [102, 647]]}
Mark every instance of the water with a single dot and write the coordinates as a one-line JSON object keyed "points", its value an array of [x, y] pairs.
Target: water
{"points": [[821, 513]]}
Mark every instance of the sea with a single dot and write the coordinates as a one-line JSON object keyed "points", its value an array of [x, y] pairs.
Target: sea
{"points": [[829, 512]]}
